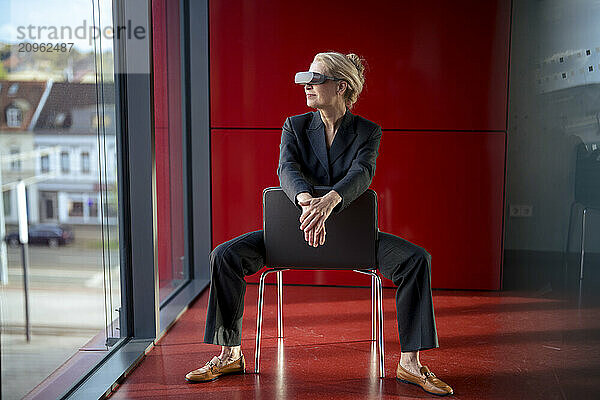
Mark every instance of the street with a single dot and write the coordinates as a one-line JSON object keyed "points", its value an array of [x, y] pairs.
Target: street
{"points": [[69, 295]]}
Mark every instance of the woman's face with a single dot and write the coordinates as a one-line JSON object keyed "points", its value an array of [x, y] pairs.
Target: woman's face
{"points": [[324, 95]]}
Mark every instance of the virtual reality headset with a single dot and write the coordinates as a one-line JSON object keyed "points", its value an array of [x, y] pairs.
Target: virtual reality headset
{"points": [[312, 78]]}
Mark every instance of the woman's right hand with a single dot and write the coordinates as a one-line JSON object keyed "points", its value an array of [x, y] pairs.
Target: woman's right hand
{"points": [[316, 235], [313, 236]]}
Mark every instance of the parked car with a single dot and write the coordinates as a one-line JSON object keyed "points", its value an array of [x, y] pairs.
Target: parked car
{"points": [[49, 234]]}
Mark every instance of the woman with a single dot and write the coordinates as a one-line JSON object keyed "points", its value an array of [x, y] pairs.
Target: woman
{"points": [[347, 164]]}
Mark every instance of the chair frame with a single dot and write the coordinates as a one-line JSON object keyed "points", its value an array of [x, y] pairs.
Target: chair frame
{"points": [[376, 313], [585, 211]]}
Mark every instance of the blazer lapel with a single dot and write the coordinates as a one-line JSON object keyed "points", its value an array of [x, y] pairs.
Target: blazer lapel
{"points": [[343, 137], [316, 135]]}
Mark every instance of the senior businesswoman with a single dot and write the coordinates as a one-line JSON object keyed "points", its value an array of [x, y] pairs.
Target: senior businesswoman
{"points": [[347, 145]]}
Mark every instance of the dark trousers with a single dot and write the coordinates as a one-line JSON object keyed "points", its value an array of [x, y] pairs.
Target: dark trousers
{"points": [[404, 263]]}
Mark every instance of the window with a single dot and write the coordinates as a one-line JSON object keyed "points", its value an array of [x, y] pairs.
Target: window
{"points": [[62, 120], [63, 192], [105, 120], [64, 162], [14, 117], [7, 205], [45, 163], [59, 119], [92, 207], [75, 208], [12, 90], [15, 165], [85, 162]]}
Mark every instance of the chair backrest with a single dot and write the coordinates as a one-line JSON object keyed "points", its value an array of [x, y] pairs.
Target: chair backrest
{"points": [[587, 176], [350, 241]]}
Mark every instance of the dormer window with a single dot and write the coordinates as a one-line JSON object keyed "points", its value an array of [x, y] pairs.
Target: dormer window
{"points": [[59, 119], [62, 120], [14, 117], [12, 89]]}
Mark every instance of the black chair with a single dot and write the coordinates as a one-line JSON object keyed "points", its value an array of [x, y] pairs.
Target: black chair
{"points": [[350, 245]]}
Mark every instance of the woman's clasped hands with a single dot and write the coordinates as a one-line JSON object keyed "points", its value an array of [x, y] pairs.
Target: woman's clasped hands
{"points": [[315, 211]]}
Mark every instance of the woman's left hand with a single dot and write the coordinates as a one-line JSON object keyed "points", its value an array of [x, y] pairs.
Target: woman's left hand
{"points": [[319, 209]]}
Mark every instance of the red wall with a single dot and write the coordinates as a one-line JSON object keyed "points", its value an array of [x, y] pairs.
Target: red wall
{"points": [[436, 82]]}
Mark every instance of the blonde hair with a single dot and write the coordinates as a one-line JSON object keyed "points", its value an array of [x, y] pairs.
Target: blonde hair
{"points": [[348, 67]]}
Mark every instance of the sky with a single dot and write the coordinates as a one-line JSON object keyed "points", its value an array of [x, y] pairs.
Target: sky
{"points": [[54, 13]]}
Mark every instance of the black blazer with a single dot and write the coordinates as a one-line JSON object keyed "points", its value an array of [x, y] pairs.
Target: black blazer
{"points": [[348, 167]]}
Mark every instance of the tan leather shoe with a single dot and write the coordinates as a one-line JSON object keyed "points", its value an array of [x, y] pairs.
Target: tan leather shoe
{"points": [[428, 381], [213, 369]]}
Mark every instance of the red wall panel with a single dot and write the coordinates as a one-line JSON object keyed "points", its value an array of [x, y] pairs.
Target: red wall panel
{"points": [[432, 65], [438, 190], [443, 192]]}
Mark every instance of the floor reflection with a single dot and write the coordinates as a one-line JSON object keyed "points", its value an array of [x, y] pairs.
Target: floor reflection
{"points": [[280, 378], [375, 382]]}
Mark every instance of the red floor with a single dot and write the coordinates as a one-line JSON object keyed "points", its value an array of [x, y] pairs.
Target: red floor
{"points": [[492, 346]]}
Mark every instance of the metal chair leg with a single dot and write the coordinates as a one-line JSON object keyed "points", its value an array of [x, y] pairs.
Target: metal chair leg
{"points": [[373, 309], [582, 256], [379, 311], [279, 305], [380, 333], [261, 290]]}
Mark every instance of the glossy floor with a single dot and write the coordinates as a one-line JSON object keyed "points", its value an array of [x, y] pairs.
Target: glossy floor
{"points": [[493, 345]]}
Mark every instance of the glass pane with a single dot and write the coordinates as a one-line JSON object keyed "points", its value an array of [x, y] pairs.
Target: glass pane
{"points": [[553, 160], [169, 146], [58, 138]]}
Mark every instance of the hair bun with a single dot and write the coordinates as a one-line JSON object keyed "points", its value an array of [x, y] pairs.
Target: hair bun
{"points": [[358, 63]]}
